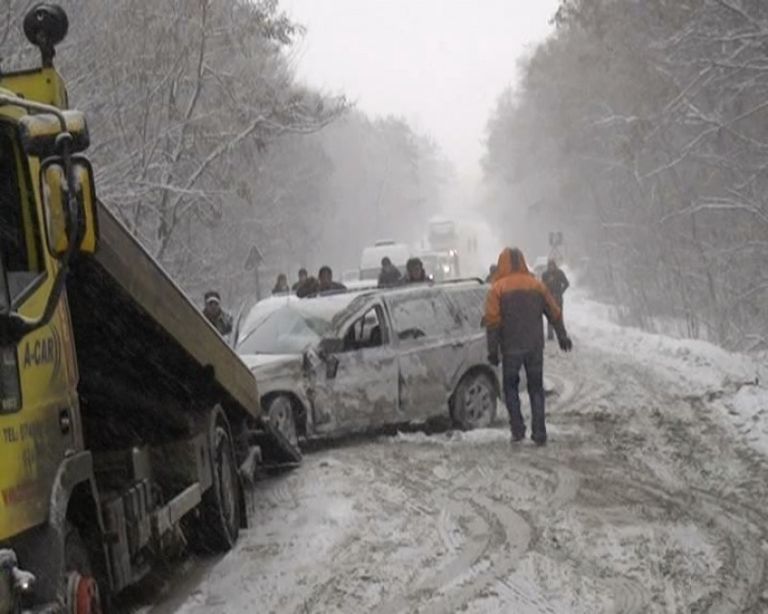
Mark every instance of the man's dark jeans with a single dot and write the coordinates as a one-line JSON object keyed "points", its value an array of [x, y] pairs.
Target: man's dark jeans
{"points": [[534, 372]]}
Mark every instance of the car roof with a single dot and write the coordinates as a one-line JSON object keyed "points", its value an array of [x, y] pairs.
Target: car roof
{"points": [[416, 287], [335, 307]]}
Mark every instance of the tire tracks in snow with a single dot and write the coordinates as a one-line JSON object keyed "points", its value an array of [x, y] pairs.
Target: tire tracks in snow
{"points": [[597, 521]]}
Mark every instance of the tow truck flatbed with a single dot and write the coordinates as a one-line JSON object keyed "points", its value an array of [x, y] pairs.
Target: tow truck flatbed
{"points": [[132, 321]]}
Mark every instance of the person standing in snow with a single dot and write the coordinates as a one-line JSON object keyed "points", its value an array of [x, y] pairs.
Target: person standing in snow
{"points": [[491, 274], [281, 285], [514, 307], [215, 314], [557, 283], [324, 283], [390, 275], [414, 271], [303, 276]]}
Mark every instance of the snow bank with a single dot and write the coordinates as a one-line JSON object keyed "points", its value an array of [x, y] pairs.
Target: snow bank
{"points": [[698, 366], [734, 384]]}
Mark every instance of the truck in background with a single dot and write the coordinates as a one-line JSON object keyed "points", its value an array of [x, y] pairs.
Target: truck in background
{"points": [[125, 419]]}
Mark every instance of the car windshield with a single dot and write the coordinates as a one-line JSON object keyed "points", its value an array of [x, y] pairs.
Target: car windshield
{"points": [[284, 330]]}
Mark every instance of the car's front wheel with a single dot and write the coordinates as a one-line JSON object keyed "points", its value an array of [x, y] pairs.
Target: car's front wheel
{"points": [[282, 417], [474, 402]]}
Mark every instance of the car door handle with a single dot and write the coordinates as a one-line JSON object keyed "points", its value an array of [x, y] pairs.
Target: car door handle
{"points": [[457, 344]]}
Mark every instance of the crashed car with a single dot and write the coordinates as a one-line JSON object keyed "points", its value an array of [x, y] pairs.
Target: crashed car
{"points": [[355, 362]]}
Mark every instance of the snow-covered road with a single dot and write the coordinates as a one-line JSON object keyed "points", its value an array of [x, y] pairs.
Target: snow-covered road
{"points": [[652, 496]]}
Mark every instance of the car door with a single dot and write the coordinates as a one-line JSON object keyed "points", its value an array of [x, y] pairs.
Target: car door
{"points": [[467, 306], [356, 389], [428, 350]]}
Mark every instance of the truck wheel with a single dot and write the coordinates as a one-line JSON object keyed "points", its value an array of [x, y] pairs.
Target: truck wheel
{"points": [[281, 416], [81, 589], [474, 402], [216, 527]]}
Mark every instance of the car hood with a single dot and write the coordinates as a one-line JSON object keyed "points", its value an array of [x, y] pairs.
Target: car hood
{"points": [[265, 364]]}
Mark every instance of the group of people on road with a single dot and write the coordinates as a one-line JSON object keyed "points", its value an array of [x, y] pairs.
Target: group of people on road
{"points": [[304, 286], [390, 275], [307, 285], [515, 304]]}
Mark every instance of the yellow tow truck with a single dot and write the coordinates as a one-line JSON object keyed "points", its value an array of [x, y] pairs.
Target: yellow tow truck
{"points": [[125, 419]]}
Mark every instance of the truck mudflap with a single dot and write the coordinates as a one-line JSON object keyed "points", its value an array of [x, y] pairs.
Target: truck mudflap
{"points": [[276, 450]]}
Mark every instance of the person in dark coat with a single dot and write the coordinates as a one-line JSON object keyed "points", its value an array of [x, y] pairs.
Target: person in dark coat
{"points": [[307, 288], [281, 285], [491, 274], [322, 283], [221, 320], [390, 275], [514, 307], [414, 271], [557, 283], [325, 282], [303, 276]]}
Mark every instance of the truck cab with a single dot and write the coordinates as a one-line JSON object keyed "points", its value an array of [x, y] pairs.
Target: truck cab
{"points": [[41, 229]]}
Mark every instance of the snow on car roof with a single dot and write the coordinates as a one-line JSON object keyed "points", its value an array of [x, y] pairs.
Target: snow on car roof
{"points": [[333, 307]]}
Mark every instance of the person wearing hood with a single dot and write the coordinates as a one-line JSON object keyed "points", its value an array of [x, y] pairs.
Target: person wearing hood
{"points": [[513, 311], [220, 319]]}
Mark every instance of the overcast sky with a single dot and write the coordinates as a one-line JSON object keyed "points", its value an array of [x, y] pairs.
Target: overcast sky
{"points": [[439, 63]]}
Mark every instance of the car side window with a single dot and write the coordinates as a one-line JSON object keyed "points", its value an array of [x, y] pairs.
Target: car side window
{"points": [[421, 315], [368, 331]]}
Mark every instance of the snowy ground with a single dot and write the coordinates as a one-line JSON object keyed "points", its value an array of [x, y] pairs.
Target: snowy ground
{"points": [[652, 496]]}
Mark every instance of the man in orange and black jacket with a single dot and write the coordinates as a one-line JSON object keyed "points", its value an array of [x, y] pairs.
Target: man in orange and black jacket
{"points": [[513, 310]]}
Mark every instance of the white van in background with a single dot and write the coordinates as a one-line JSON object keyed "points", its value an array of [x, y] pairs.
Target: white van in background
{"points": [[370, 261]]}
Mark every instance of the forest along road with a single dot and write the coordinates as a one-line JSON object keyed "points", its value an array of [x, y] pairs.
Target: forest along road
{"points": [[645, 500]]}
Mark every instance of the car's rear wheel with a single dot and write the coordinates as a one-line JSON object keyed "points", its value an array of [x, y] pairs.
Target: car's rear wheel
{"points": [[283, 418], [474, 402], [216, 525]]}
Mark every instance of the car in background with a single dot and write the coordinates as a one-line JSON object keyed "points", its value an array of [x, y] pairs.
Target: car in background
{"points": [[354, 362]]}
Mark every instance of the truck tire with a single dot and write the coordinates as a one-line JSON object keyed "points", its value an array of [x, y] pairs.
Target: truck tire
{"points": [[282, 417], [474, 402], [80, 587], [216, 525]]}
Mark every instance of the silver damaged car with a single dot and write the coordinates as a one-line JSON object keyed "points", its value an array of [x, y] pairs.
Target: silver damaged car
{"points": [[357, 361]]}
